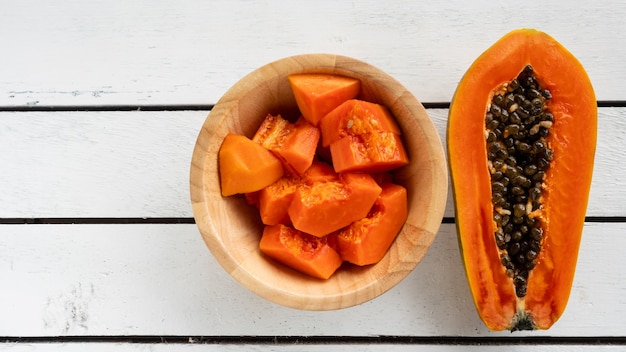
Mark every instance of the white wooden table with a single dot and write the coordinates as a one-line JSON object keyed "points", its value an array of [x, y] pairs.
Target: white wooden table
{"points": [[100, 105]]}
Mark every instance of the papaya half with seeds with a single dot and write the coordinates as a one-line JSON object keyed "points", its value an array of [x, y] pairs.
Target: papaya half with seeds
{"points": [[521, 143]]}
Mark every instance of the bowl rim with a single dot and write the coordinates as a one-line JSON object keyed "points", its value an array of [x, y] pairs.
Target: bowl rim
{"points": [[347, 296]]}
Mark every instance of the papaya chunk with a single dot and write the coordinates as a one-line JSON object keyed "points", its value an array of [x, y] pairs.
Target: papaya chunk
{"points": [[366, 241], [246, 166], [274, 200], [372, 152], [324, 207], [356, 117], [317, 94], [294, 144], [363, 137], [308, 254], [527, 137]]}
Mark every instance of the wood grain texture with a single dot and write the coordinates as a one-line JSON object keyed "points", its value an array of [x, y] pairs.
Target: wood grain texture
{"points": [[191, 52], [159, 280], [231, 227], [136, 163]]}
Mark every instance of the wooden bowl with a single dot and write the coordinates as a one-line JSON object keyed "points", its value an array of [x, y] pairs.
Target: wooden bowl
{"points": [[232, 229]]}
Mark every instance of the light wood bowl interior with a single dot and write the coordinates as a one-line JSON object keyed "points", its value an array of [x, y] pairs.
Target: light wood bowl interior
{"points": [[232, 229]]}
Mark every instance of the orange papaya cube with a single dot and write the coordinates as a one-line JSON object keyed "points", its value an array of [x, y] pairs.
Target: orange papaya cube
{"points": [[323, 207], [371, 152], [366, 241], [245, 166], [274, 200], [294, 144], [299, 149], [317, 94], [356, 117], [300, 251]]}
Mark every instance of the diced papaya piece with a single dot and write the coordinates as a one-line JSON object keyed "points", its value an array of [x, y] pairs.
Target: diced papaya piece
{"points": [[246, 166], [363, 137], [323, 207], [356, 117], [371, 152], [294, 144], [300, 251], [299, 149], [274, 200], [317, 94], [367, 240]]}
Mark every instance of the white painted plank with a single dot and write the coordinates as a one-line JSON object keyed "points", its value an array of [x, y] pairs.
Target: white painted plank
{"points": [[160, 280], [103, 52], [136, 164], [118, 164], [123, 347]]}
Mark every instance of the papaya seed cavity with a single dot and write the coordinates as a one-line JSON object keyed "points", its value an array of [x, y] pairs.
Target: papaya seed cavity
{"points": [[517, 128]]}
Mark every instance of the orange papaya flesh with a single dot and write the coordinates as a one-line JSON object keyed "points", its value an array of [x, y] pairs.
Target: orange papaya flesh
{"points": [[295, 144], [371, 152], [324, 207], [317, 94], [499, 219], [246, 166], [367, 240], [363, 137], [319, 171], [356, 117], [274, 200], [308, 254], [301, 147]]}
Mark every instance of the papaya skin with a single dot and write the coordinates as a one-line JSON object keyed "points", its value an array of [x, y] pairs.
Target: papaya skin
{"points": [[567, 184]]}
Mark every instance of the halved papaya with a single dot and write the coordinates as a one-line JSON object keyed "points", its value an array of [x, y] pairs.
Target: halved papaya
{"points": [[521, 144]]}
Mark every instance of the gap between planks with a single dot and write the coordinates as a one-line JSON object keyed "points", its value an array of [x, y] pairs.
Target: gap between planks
{"points": [[191, 220], [315, 340], [202, 107]]}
